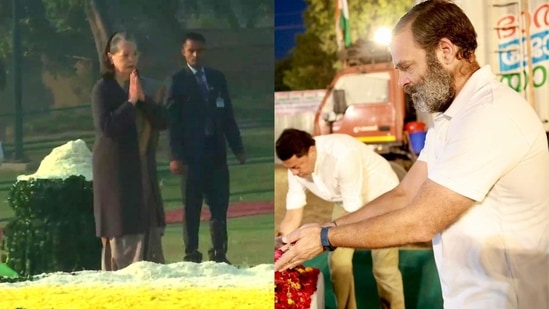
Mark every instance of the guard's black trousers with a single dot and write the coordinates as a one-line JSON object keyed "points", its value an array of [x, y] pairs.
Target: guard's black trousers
{"points": [[207, 181]]}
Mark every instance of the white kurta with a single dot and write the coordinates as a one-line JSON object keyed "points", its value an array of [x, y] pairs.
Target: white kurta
{"points": [[490, 146]]}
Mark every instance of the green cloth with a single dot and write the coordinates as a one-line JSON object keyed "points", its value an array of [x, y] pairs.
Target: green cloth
{"points": [[5, 271], [420, 279]]}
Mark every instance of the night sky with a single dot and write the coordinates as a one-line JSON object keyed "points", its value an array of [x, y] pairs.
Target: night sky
{"points": [[288, 23]]}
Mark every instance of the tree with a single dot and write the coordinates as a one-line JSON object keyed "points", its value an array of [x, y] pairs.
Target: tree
{"points": [[234, 13], [311, 67], [57, 28], [252, 10], [315, 56], [35, 27], [281, 66]]}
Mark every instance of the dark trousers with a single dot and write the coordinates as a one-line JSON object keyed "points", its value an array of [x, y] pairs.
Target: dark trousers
{"points": [[206, 180]]}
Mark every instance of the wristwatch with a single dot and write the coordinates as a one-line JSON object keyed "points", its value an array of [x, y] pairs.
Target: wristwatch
{"points": [[324, 239]]}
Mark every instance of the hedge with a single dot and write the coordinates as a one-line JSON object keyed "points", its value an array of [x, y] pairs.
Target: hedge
{"points": [[53, 228]]}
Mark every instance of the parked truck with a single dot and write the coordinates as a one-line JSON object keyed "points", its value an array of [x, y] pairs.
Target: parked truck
{"points": [[364, 100]]}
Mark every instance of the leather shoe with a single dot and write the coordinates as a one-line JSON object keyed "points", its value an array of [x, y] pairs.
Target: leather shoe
{"points": [[218, 257], [195, 257]]}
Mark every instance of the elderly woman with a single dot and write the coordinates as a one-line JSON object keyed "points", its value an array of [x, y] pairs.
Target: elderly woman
{"points": [[129, 214]]}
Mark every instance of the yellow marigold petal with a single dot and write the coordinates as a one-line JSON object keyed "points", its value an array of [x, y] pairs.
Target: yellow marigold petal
{"points": [[93, 297]]}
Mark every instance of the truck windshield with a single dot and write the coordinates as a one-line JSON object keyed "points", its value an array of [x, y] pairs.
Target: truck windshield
{"points": [[368, 88]]}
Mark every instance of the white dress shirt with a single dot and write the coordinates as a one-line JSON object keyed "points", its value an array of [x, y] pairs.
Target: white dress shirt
{"points": [[346, 171]]}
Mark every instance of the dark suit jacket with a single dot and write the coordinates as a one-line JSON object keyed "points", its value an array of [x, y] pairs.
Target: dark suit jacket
{"points": [[117, 187], [188, 112]]}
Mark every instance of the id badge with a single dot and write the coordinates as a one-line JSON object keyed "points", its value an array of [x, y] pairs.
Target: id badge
{"points": [[219, 102]]}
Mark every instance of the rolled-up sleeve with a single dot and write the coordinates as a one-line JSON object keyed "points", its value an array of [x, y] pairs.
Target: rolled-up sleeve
{"points": [[296, 197]]}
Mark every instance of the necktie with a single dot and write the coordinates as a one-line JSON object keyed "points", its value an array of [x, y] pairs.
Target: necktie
{"points": [[205, 93], [202, 84]]}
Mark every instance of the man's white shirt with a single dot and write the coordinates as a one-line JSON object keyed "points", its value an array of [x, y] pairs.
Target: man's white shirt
{"points": [[346, 171]]}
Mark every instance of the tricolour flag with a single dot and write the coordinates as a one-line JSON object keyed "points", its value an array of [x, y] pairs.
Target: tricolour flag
{"points": [[343, 32]]}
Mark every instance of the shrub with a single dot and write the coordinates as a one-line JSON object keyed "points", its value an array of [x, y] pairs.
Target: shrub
{"points": [[53, 228]]}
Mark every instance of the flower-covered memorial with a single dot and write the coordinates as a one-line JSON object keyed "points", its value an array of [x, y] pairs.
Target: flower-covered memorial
{"points": [[50, 254], [147, 285], [298, 288]]}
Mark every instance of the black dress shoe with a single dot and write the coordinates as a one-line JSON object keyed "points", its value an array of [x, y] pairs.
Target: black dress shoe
{"points": [[218, 257], [195, 257]]}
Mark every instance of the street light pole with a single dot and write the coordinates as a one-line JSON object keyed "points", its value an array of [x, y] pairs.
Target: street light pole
{"points": [[17, 92]]}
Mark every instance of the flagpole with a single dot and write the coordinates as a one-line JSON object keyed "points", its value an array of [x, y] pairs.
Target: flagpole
{"points": [[339, 35], [343, 35]]}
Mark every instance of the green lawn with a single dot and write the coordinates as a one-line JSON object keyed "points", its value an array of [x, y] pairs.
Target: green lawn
{"points": [[251, 238], [251, 182], [250, 241]]}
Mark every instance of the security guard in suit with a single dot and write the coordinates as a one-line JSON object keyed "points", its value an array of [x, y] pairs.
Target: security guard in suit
{"points": [[200, 120]]}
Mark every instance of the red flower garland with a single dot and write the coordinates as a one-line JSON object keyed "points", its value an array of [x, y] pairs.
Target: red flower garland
{"points": [[295, 287]]}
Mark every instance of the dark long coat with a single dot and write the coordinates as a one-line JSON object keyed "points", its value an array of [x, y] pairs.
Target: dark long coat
{"points": [[118, 194]]}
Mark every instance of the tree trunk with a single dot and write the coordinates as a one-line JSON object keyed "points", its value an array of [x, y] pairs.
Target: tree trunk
{"points": [[100, 26], [161, 25]]}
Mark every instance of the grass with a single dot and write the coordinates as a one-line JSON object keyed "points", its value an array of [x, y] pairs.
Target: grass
{"points": [[250, 241], [248, 183], [253, 181], [257, 105]]}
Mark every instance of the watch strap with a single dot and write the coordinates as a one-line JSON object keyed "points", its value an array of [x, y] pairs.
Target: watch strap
{"points": [[324, 239]]}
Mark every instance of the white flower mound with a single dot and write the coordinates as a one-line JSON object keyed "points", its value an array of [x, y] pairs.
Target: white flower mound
{"points": [[175, 275], [72, 158]]}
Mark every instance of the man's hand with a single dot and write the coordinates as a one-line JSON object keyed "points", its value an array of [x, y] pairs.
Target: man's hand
{"points": [[307, 245], [241, 157], [329, 224], [178, 168], [278, 242]]}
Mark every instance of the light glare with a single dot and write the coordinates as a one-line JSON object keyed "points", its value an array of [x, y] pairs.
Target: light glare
{"points": [[383, 36]]}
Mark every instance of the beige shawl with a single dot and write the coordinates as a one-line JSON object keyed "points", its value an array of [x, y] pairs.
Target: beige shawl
{"points": [[154, 92]]}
